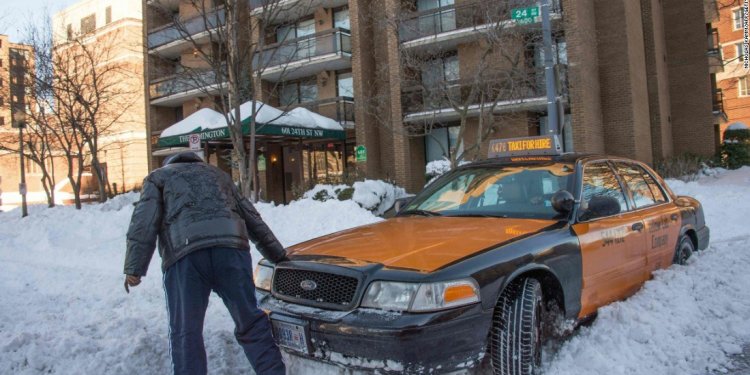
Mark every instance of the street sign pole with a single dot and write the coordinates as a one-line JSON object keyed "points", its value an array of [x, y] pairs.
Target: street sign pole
{"points": [[553, 122]]}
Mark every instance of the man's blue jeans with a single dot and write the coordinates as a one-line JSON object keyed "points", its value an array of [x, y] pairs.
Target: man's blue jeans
{"points": [[188, 284]]}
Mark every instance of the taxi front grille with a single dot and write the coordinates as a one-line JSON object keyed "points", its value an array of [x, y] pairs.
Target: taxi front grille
{"points": [[330, 290]]}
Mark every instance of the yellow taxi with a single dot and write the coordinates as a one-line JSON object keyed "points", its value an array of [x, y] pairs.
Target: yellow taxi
{"points": [[474, 270]]}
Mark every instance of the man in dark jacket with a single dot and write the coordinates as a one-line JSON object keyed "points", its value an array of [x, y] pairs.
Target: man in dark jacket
{"points": [[203, 225]]}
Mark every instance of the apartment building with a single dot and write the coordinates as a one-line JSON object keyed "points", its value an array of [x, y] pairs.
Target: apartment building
{"points": [[15, 61], [732, 86], [633, 78], [302, 62], [113, 31]]}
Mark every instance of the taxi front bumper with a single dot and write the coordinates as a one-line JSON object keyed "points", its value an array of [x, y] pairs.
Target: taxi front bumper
{"points": [[434, 342]]}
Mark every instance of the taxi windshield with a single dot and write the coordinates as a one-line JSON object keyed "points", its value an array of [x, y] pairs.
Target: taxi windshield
{"points": [[496, 191]]}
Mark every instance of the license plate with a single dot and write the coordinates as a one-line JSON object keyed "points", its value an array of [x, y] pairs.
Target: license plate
{"points": [[290, 335]]}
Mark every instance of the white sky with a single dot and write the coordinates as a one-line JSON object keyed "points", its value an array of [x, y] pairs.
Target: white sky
{"points": [[17, 14]]}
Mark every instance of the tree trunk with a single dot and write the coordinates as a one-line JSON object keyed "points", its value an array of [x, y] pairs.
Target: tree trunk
{"points": [[101, 177]]}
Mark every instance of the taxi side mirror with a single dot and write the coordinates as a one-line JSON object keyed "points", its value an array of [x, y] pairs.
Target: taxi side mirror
{"points": [[401, 203], [563, 201]]}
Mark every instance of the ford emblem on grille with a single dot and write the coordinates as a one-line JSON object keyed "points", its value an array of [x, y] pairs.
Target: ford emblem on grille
{"points": [[308, 285]]}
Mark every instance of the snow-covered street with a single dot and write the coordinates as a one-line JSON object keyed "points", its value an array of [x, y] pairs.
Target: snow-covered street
{"points": [[64, 309]]}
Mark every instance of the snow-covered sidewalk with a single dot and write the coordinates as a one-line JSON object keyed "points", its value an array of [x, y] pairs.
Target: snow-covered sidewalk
{"points": [[64, 309]]}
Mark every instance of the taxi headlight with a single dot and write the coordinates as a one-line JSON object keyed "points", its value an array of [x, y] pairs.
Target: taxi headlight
{"points": [[263, 276], [425, 297]]}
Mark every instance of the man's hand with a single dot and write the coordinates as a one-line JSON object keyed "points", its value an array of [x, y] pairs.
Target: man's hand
{"points": [[131, 280]]}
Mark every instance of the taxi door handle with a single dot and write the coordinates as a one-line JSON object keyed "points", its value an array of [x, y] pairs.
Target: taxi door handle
{"points": [[674, 217], [637, 227]]}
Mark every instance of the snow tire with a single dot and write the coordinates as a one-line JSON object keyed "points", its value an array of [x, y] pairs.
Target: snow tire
{"points": [[516, 339], [685, 249]]}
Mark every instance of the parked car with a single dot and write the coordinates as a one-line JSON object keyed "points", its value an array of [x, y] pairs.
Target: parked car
{"points": [[474, 270]]}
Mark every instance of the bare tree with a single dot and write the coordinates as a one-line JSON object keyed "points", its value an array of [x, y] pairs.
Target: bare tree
{"points": [[37, 142], [229, 38], [80, 94], [504, 77]]}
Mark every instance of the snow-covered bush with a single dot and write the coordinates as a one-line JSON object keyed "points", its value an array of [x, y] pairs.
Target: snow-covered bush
{"points": [[373, 195], [735, 152], [437, 168]]}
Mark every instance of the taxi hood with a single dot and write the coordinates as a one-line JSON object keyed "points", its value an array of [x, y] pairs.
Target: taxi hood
{"points": [[423, 244]]}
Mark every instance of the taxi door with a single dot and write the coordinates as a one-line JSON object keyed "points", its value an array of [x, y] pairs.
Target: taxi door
{"points": [[612, 241], [661, 217]]}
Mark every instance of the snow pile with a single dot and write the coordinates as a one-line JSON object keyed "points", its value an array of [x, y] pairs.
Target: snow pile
{"points": [[373, 195], [376, 196], [688, 319], [202, 119], [299, 117], [65, 310]]}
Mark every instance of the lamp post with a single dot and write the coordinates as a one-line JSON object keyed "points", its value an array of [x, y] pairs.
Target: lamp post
{"points": [[19, 119]]}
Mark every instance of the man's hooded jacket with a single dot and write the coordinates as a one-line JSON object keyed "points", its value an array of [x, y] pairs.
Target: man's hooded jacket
{"points": [[190, 205]]}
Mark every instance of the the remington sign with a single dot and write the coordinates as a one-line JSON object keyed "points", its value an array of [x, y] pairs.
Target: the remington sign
{"points": [[207, 135], [542, 145]]}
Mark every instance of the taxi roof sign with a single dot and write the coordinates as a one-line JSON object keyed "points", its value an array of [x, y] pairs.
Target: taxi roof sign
{"points": [[546, 145]]}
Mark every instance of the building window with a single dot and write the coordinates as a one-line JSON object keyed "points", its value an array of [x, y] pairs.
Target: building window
{"points": [[69, 31], [440, 143], [341, 18], [740, 52], [2, 82], [2, 101], [295, 30], [737, 16], [2, 120], [440, 70], [107, 15], [88, 24], [742, 83], [345, 84], [298, 92]]}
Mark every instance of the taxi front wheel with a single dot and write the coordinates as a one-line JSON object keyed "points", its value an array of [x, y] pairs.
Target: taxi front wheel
{"points": [[516, 340], [684, 251]]}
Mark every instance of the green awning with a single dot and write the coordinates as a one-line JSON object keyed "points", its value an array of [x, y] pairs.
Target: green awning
{"points": [[260, 129]]}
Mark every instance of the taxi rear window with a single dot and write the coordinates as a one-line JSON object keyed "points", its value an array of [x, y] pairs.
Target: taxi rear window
{"points": [[507, 191]]}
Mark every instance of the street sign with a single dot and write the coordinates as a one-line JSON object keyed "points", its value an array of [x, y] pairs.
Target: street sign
{"points": [[361, 153], [22, 189], [524, 16], [194, 140]]}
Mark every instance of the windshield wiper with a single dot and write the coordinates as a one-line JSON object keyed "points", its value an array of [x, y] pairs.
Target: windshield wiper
{"points": [[480, 215], [420, 212]]}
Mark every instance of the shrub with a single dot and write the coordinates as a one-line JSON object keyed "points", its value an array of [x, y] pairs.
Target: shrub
{"points": [[735, 152], [345, 194], [322, 196], [685, 167]]}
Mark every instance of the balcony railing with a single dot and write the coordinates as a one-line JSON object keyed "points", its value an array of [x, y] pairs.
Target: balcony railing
{"points": [[334, 41], [340, 108], [462, 93], [179, 31], [718, 102], [182, 83], [449, 18]]}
